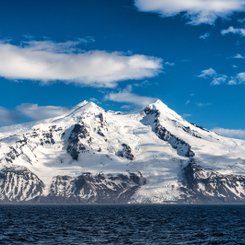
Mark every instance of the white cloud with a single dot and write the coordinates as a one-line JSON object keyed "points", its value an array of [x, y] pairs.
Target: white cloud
{"points": [[36, 112], [233, 133], [218, 79], [207, 73], [238, 56], [47, 61], [232, 82], [233, 30], [205, 36], [198, 11], [126, 96], [241, 77]]}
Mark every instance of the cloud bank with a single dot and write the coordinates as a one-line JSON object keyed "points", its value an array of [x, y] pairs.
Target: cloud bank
{"points": [[47, 61], [197, 11], [36, 112], [7, 117], [232, 133], [30, 111], [126, 96]]}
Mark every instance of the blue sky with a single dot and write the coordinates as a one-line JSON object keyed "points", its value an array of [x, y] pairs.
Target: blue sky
{"points": [[123, 54]]}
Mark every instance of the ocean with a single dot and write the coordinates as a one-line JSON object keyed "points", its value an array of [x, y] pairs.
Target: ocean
{"points": [[122, 224]]}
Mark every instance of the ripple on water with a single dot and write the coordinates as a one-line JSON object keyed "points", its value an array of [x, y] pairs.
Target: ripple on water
{"points": [[122, 224]]}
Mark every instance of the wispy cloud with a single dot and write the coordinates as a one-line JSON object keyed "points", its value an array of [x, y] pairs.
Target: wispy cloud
{"points": [[36, 112], [218, 79], [207, 73], [205, 36], [47, 61], [232, 133], [204, 104], [238, 56], [7, 117], [192, 101], [126, 96], [241, 20], [167, 63], [210, 73], [29, 111], [233, 30], [197, 11], [187, 115]]}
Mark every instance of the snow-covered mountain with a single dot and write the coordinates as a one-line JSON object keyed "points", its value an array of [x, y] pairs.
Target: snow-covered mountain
{"points": [[90, 155]]}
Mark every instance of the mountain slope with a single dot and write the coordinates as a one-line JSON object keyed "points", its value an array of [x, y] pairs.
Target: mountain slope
{"points": [[90, 155]]}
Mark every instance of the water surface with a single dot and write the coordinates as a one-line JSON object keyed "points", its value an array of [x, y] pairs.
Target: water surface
{"points": [[123, 224]]}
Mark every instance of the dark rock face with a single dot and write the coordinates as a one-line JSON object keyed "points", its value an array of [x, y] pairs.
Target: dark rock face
{"points": [[45, 137], [202, 185], [61, 186], [19, 184], [182, 148], [191, 132], [12, 154], [79, 131], [126, 152], [102, 120], [89, 188], [107, 188], [198, 126]]}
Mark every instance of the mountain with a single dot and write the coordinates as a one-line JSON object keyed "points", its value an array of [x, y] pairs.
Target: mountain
{"points": [[90, 155]]}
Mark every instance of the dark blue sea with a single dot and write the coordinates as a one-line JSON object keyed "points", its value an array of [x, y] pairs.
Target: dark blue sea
{"points": [[111, 224]]}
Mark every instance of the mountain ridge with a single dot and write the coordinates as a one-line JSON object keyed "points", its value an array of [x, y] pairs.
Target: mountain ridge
{"points": [[90, 155]]}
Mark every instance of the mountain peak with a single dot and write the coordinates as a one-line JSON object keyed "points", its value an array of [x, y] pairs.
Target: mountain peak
{"points": [[86, 107], [164, 110], [158, 104], [81, 104]]}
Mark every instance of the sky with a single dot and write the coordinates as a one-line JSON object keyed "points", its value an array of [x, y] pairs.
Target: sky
{"points": [[123, 55]]}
